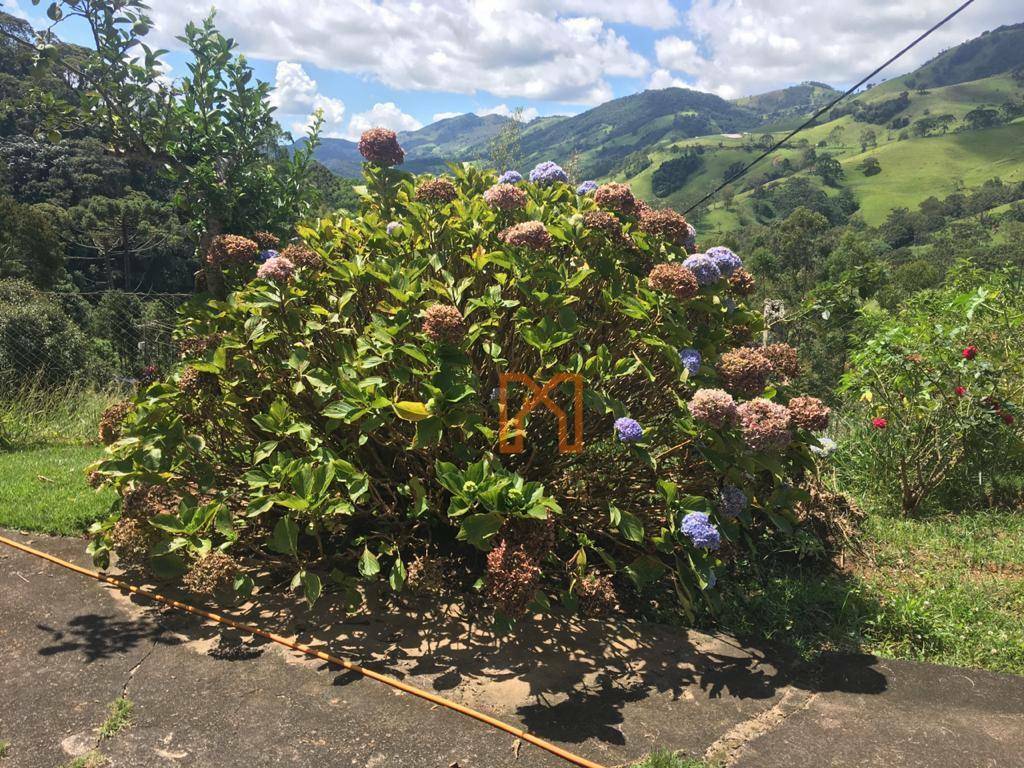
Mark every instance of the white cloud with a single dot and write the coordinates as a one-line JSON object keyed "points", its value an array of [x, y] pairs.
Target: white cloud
{"points": [[444, 116], [757, 45], [383, 115], [678, 54], [295, 93], [528, 114], [662, 78], [560, 50]]}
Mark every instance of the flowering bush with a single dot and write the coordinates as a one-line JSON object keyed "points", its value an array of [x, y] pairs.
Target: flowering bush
{"points": [[929, 393], [336, 417]]}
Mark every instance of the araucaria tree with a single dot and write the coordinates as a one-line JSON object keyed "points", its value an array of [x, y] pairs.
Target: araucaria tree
{"points": [[336, 418], [211, 134]]}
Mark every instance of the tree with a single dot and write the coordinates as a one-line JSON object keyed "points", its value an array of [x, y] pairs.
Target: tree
{"points": [[212, 135], [868, 138], [835, 136], [505, 147], [870, 166], [29, 246], [121, 234], [980, 118], [829, 169]]}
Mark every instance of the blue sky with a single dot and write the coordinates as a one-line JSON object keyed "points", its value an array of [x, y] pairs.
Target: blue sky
{"points": [[403, 63]]}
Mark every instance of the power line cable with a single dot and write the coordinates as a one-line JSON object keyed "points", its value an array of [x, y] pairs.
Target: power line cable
{"points": [[743, 172]]}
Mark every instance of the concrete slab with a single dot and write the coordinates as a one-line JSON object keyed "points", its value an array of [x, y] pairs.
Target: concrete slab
{"points": [[609, 691]]}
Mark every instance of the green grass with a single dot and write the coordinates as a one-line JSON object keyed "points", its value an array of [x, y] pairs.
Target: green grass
{"points": [[120, 717], [34, 416], [668, 760], [5, 748], [45, 490], [91, 759], [946, 589]]}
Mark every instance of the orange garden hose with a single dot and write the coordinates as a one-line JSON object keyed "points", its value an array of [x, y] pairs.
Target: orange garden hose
{"points": [[249, 629]]}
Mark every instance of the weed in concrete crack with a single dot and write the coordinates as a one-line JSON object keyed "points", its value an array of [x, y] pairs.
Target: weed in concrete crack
{"points": [[120, 717]]}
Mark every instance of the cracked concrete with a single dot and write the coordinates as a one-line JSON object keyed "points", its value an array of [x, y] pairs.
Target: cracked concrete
{"points": [[206, 698]]}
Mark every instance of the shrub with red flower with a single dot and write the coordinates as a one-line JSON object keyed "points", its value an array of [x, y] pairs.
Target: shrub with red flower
{"points": [[970, 352], [879, 423]]}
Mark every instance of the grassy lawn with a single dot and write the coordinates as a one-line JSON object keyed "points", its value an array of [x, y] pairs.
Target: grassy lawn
{"points": [[947, 589], [44, 489]]}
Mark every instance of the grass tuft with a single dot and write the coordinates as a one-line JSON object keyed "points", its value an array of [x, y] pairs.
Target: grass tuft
{"points": [[34, 416], [120, 717], [664, 759], [5, 748], [91, 759]]}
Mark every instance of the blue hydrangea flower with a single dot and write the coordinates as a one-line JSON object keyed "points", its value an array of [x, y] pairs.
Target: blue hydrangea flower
{"points": [[629, 430], [586, 188], [510, 177], [726, 261], [704, 268], [697, 526], [690, 358], [548, 173], [731, 501], [392, 226], [268, 254]]}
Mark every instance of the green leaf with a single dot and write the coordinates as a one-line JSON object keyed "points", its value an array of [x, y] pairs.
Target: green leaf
{"points": [[630, 527], [645, 570], [312, 587], [480, 528], [285, 538], [398, 574], [369, 565]]}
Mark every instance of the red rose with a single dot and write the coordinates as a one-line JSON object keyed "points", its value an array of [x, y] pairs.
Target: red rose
{"points": [[970, 352], [960, 391], [1007, 417], [879, 423]]}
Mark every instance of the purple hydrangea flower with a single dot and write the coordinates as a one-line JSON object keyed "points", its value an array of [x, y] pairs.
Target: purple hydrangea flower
{"points": [[268, 254], [392, 226], [629, 430], [697, 526], [726, 261], [704, 268], [548, 173], [690, 358], [586, 188], [731, 501], [510, 177]]}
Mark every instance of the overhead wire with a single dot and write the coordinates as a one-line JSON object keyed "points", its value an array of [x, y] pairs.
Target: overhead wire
{"points": [[746, 168]]}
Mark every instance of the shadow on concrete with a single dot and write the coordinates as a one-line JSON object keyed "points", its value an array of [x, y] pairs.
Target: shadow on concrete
{"points": [[565, 679]]}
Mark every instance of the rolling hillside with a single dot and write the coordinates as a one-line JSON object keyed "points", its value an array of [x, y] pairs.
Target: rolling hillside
{"points": [[956, 121]]}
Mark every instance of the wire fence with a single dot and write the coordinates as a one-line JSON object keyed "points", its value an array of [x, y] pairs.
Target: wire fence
{"points": [[53, 339]]}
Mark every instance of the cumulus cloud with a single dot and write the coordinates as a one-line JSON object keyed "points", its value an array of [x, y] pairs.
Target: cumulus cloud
{"points": [[296, 93], [662, 78], [755, 45], [528, 113], [562, 50], [444, 116], [680, 55], [383, 115]]}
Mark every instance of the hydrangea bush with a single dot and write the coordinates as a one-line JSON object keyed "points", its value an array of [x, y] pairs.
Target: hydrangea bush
{"points": [[335, 419]]}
